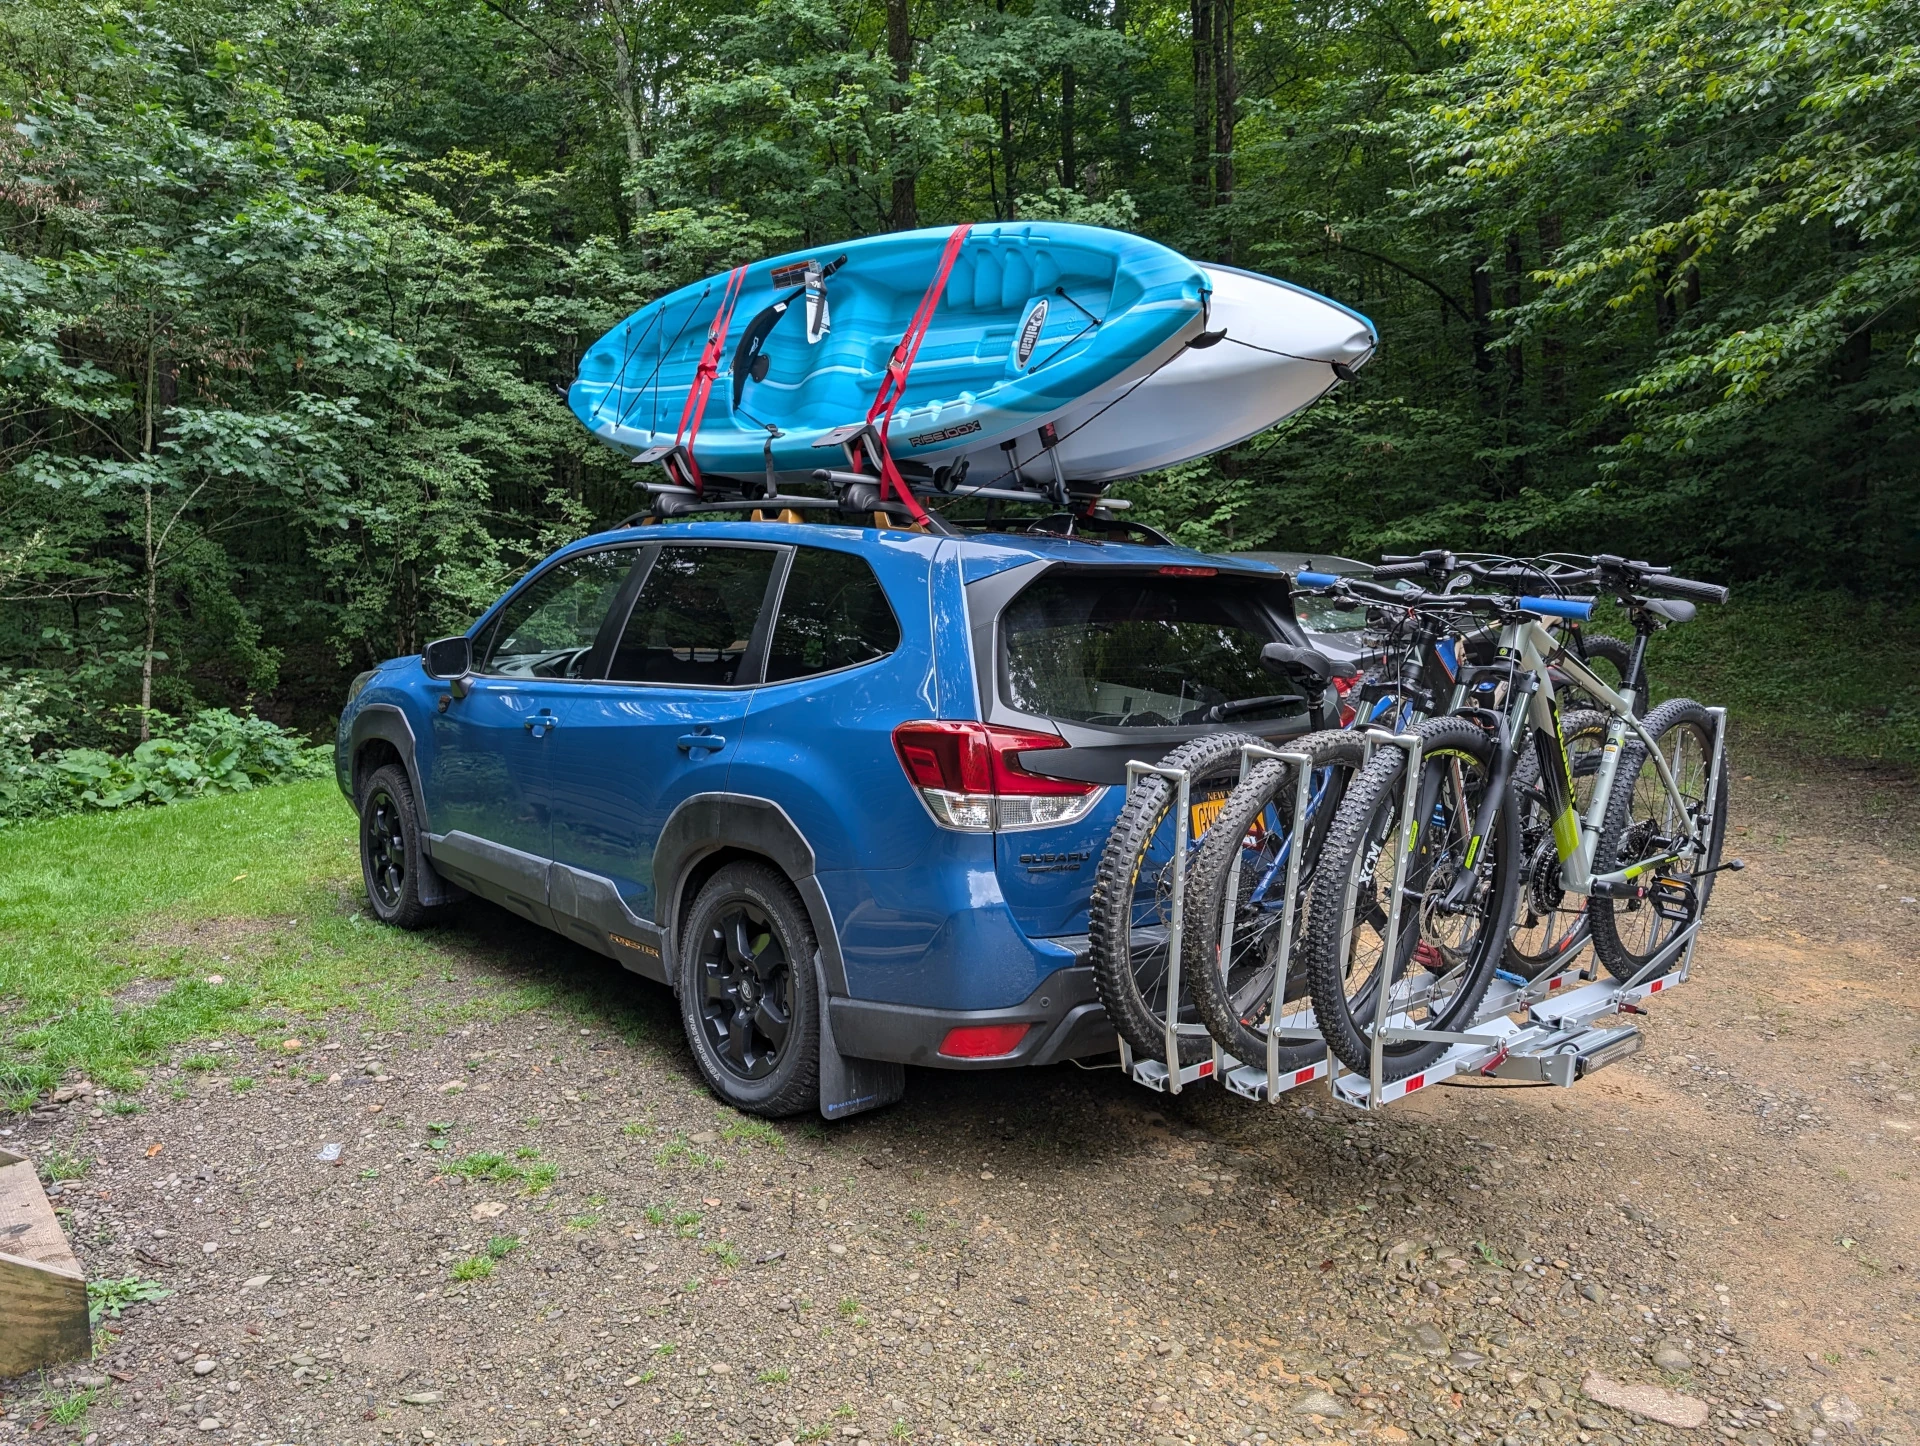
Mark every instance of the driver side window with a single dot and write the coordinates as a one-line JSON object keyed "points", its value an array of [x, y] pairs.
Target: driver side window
{"points": [[548, 628]]}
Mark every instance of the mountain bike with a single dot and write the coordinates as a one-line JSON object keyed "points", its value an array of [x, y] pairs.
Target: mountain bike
{"points": [[1246, 870], [1396, 973]]}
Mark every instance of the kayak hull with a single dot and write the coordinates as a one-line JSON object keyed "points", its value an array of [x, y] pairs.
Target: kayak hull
{"points": [[1034, 318]]}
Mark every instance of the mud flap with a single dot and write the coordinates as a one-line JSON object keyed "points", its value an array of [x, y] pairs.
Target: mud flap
{"points": [[850, 1086], [435, 890]]}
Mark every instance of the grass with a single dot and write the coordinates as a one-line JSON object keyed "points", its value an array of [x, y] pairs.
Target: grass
{"points": [[92, 903], [1802, 673], [775, 1376], [63, 1165], [474, 1267], [66, 1410], [498, 1170]]}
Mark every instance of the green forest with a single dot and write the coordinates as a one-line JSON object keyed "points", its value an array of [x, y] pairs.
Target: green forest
{"points": [[290, 290]]}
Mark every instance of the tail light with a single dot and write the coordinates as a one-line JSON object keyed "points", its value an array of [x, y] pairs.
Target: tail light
{"points": [[970, 778]]}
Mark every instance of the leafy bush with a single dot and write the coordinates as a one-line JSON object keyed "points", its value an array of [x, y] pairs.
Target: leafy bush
{"points": [[210, 751]]}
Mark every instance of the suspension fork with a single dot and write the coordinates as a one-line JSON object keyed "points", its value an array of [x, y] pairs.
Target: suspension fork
{"points": [[1519, 707]]}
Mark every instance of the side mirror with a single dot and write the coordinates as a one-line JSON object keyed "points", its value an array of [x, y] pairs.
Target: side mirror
{"points": [[448, 657]]}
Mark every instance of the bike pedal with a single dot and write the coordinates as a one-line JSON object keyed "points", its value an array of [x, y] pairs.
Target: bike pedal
{"points": [[1674, 900]]}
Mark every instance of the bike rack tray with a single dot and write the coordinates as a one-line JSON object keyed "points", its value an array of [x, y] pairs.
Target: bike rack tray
{"points": [[1554, 1030]]}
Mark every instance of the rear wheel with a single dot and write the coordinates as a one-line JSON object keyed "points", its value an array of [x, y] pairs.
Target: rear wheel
{"points": [[1646, 820], [1243, 863], [748, 999], [1131, 908], [1454, 913], [1549, 923]]}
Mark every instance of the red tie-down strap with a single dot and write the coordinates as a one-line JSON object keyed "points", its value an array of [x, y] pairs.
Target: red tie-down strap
{"points": [[880, 414], [703, 375]]}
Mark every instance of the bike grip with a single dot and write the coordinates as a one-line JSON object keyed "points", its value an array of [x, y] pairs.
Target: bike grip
{"points": [[1390, 570], [1558, 607], [1315, 579], [1684, 587]]}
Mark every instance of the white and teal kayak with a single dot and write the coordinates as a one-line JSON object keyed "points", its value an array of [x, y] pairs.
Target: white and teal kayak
{"points": [[1035, 319]]}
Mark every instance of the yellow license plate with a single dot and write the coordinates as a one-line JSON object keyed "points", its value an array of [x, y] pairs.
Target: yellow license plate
{"points": [[1202, 814]]}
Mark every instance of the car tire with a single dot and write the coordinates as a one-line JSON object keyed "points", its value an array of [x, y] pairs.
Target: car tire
{"points": [[391, 860], [749, 1001]]}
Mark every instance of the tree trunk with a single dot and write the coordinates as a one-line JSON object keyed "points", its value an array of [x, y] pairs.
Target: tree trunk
{"points": [[1006, 150], [616, 13], [1123, 110], [906, 210], [147, 554], [1553, 351], [1483, 327], [1069, 172], [1202, 166], [1510, 298], [1663, 312], [1226, 95]]}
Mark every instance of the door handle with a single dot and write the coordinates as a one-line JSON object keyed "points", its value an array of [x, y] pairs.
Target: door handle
{"points": [[711, 741], [541, 723]]}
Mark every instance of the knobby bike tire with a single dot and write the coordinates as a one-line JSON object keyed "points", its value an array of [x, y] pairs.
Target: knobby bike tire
{"points": [[1628, 933], [1368, 820], [1124, 975], [1233, 989]]}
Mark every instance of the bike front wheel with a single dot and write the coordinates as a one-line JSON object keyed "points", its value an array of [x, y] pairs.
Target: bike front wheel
{"points": [[1456, 902], [1130, 915], [1649, 824], [1242, 867]]}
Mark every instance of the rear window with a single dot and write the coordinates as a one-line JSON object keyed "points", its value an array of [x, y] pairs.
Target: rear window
{"points": [[832, 615], [1141, 652]]}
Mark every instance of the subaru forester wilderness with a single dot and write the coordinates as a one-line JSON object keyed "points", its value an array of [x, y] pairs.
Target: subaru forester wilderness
{"points": [[843, 789]]}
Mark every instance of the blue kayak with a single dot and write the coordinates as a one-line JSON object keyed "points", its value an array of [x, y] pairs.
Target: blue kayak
{"points": [[1035, 317]]}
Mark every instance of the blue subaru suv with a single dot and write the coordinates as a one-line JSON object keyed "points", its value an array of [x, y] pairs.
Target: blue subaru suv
{"points": [[843, 789]]}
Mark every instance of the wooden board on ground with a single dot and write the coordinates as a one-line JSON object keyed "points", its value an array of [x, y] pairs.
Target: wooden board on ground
{"points": [[43, 1294]]}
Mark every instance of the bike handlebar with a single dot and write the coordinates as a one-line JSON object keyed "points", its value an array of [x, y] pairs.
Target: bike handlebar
{"points": [[1418, 567], [1571, 608], [1684, 587]]}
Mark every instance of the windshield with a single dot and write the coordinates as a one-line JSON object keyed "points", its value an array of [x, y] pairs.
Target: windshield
{"points": [[1141, 652]]}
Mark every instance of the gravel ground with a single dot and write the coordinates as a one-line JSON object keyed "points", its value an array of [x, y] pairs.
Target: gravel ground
{"points": [[523, 1220]]}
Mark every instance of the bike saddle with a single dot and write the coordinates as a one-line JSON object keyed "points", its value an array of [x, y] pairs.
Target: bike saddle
{"points": [[1672, 609], [1308, 667]]}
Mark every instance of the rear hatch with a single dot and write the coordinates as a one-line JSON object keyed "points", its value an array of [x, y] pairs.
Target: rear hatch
{"points": [[1121, 663]]}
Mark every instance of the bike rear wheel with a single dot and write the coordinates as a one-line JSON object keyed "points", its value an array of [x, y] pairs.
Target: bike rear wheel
{"points": [[1129, 915], [1550, 924], [1243, 865], [1436, 969], [1645, 819]]}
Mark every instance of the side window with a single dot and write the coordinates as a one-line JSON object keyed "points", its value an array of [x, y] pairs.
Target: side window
{"points": [[547, 629], [693, 620], [833, 614]]}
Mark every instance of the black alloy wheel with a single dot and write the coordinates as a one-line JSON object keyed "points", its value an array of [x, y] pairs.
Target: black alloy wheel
{"points": [[386, 851], [746, 980]]}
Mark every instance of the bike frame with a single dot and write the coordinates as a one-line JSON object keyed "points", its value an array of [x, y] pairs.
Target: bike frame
{"points": [[1534, 652]]}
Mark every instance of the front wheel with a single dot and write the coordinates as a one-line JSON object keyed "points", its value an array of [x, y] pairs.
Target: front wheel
{"points": [[748, 997], [1456, 905], [391, 858], [1243, 866], [1130, 915], [1648, 827]]}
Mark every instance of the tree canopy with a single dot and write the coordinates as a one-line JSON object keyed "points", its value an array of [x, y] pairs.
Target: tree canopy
{"points": [[289, 292]]}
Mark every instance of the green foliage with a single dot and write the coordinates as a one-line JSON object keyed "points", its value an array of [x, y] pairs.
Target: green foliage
{"points": [[287, 293], [212, 751], [108, 1297]]}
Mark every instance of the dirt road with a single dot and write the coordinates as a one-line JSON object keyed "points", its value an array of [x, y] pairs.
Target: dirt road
{"points": [[1056, 1256]]}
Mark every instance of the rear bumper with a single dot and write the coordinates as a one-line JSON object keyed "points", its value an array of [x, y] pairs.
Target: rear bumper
{"points": [[1064, 1014]]}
